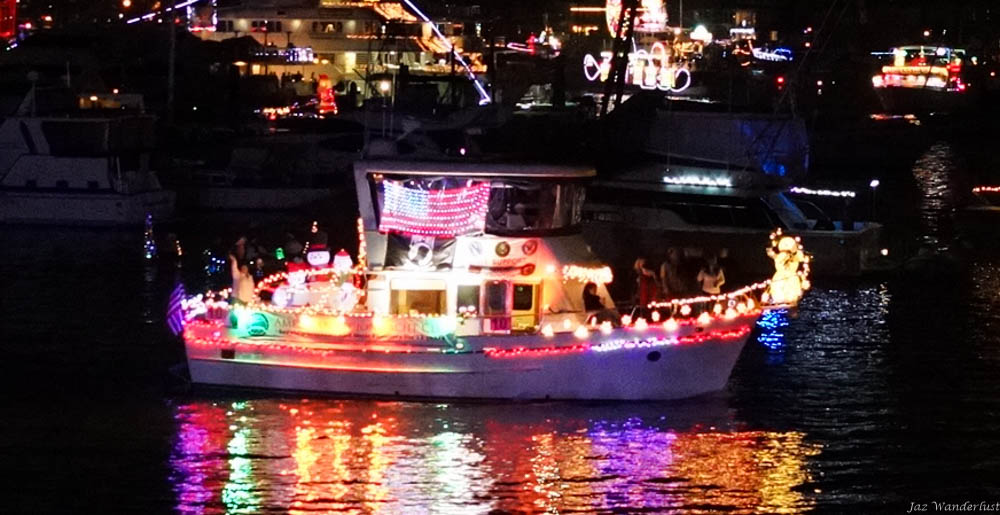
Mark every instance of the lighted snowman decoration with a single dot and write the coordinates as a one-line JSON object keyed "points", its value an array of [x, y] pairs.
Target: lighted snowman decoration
{"points": [[293, 293], [791, 270], [337, 294], [318, 256]]}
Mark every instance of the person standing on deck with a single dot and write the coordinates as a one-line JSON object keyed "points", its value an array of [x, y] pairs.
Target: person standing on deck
{"points": [[645, 284], [671, 282], [710, 277], [243, 285]]}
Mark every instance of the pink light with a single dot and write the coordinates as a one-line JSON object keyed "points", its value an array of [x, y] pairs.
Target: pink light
{"points": [[444, 213]]}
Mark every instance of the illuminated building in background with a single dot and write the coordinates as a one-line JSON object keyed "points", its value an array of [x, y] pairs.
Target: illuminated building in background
{"points": [[346, 39], [8, 18]]}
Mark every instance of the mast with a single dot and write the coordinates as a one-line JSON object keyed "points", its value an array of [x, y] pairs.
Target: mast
{"points": [[620, 52]]}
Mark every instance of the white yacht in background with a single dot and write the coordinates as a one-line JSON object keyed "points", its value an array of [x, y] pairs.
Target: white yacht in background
{"points": [[91, 170], [644, 211]]}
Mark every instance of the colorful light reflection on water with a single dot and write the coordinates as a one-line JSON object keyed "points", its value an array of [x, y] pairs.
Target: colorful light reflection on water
{"points": [[299, 456]]}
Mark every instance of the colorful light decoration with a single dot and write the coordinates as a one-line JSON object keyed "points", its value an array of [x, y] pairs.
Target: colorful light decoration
{"points": [[441, 213], [149, 241], [649, 70], [822, 192], [153, 14], [652, 16], [484, 98], [694, 180], [616, 344], [302, 329], [791, 276], [599, 275], [362, 246], [771, 323], [986, 189]]}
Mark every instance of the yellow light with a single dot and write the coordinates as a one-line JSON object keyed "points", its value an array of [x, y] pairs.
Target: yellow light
{"points": [[884, 252], [704, 318], [93, 98], [685, 310], [641, 325], [581, 332], [670, 324], [655, 316], [547, 331], [239, 63], [324, 61], [384, 86], [605, 327], [567, 324], [126, 3], [115, 91]]}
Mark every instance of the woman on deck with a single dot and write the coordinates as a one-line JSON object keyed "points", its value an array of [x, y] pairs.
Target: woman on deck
{"points": [[710, 277]]}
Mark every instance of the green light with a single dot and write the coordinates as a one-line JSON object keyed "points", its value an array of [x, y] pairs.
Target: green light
{"points": [[279, 253]]}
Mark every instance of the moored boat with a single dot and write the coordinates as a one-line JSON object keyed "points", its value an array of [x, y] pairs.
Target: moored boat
{"points": [[79, 171], [470, 284]]}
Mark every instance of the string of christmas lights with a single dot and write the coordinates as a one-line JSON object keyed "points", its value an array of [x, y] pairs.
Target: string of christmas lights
{"points": [[441, 213], [584, 274]]}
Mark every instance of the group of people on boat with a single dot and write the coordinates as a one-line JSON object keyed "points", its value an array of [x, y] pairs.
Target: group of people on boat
{"points": [[682, 272]]}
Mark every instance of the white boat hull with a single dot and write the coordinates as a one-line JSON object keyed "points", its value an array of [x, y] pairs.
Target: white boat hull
{"points": [[70, 208], [643, 372]]}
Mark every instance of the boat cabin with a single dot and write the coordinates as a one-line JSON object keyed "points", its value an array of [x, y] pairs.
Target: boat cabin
{"points": [[83, 154], [497, 246]]}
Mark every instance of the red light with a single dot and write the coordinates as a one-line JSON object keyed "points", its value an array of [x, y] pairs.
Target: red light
{"points": [[781, 80]]}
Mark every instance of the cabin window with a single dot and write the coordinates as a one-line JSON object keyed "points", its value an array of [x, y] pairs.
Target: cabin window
{"points": [[63, 184], [518, 207], [524, 297], [418, 302], [31, 183], [713, 215], [468, 296], [495, 302], [417, 297]]}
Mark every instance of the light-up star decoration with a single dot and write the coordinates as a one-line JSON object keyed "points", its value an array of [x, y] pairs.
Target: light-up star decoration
{"points": [[791, 270]]}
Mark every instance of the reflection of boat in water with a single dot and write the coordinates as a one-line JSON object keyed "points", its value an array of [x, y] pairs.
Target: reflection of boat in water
{"points": [[647, 210], [319, 456], [470, 284], [921, 79]]}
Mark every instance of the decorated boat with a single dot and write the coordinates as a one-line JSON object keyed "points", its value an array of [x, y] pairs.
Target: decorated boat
{"points": [[469, 282], [921, 79]]}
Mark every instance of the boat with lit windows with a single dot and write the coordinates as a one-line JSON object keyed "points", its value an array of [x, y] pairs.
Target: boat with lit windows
{"points": [[644, 210], [469, 283], [922, 79]]}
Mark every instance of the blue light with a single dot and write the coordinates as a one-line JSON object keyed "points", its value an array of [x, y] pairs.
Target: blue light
{"points": [[772, 323]]}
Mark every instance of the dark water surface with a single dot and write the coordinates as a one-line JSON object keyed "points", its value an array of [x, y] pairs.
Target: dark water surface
{"points": [[876, 394]]}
